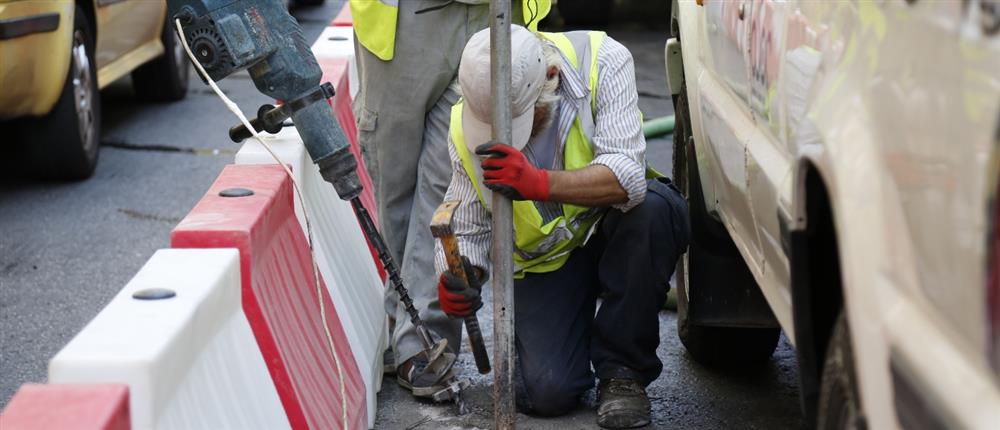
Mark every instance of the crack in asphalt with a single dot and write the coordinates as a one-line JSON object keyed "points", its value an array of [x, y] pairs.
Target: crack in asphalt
{"points": [[206, 91], [8, 268], [166, 148], [131, 213]]}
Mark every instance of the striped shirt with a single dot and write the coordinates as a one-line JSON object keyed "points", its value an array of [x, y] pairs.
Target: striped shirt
{"points": [[618, 143]]}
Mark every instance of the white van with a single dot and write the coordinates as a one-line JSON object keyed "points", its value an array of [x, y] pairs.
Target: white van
{"points": [[841, 159]]}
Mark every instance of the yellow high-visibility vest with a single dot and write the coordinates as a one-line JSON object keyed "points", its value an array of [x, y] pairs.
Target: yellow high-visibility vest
{"points": [[375, 22]]}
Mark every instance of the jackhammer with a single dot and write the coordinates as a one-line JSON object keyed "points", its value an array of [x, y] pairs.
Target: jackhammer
{"points": [[261, 37]]}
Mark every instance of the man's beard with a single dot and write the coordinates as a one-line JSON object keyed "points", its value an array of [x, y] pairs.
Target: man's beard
{"points": [[543, 119]]}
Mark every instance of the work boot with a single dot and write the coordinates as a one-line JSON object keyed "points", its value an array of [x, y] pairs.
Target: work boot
{"points": [[414, 375], [622, 404]]}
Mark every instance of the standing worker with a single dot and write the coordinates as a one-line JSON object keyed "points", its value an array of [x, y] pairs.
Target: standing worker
{"points": [[408, 53], [589, 220]]}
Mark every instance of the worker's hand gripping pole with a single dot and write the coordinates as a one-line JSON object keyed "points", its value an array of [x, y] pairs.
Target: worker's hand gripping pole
{"points": [[503, 230], [441, 229]]}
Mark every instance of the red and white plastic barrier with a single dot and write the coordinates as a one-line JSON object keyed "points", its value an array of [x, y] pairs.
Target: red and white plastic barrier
{"points": [[190, 361], [343, 18], [67, 407], [341, 253], [337, 43], [319, 390], [352, 285]]}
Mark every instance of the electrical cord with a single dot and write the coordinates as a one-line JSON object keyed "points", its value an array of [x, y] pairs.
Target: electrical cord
{"points": [[302, 202]]}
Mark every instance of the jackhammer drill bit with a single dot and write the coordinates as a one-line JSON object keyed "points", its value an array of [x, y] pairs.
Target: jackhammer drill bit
{"points": [[434, 350], [368, 227]]}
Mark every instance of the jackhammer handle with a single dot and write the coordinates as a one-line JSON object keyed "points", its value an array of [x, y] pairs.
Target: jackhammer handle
{"points": [[268, 119], [454, 258], [239, 133]]}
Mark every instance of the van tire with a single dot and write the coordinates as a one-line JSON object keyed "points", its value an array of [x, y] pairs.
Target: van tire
{"points": [[711, 251], [839, 404], [64, 143], [165, 79]]}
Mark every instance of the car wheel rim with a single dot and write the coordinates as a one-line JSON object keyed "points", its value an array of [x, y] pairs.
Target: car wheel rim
{"points": [[83, 91]]}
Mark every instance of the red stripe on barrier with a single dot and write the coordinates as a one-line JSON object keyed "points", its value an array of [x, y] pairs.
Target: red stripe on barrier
{"points": [[335, 71], [279, 294], [343, 19], [68, 407]]}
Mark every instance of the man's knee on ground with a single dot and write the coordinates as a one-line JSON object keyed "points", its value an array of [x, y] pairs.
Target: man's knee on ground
{"points": [[549, 398], [652, 209], [656, 202]]}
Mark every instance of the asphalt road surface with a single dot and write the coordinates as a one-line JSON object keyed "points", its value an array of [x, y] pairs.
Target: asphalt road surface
{"points": [[67, 248]]}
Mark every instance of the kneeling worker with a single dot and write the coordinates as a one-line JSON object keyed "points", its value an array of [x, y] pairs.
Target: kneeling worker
{"points": [[589, 222]]}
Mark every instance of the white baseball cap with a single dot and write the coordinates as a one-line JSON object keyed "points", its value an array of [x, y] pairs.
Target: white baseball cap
{"points": [[527, 78]]}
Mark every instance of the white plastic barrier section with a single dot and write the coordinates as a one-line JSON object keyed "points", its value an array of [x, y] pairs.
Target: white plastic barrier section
{"points": [[190, 361], [341, 253], [338, 43]]}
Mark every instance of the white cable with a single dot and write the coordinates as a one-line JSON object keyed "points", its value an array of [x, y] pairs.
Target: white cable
{"points": [[302, 202]]}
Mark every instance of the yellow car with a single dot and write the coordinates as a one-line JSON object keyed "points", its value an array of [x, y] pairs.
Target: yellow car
{"points": [[55, 56]]}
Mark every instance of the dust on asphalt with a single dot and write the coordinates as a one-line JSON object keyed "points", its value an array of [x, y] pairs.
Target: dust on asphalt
{"points": [[686, 395]]}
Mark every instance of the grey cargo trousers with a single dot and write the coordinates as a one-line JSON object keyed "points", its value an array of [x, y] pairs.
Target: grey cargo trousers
{"points": [[403, 109]]}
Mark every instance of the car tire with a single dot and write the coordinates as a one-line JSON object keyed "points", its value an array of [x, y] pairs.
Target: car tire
{"points": [[309, 2], [164, 79], [586, 13], [710, 251], [64, 144], [839, 404]]}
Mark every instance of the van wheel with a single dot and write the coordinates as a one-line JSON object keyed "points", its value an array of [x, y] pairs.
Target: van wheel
{"points": [[164, 79], [64, 143], [839, 404], [711, 252]]}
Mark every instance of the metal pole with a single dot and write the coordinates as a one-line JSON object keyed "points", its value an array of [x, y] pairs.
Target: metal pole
{"points": [[503, 230]]}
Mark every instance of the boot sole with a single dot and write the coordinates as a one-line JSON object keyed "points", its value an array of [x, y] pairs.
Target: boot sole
{"points": [[623, 421], [424, 392]]}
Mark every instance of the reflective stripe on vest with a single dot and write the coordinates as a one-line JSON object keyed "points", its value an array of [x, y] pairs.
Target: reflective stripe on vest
{"points": [[375, 22], [544, 248]]}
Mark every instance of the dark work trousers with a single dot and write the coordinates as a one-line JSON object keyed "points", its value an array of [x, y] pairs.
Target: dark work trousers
{"points": [[627, 263]]}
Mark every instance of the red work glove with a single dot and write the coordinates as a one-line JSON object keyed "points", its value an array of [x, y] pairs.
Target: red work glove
{"points": [[508, 172], [457, 298]]}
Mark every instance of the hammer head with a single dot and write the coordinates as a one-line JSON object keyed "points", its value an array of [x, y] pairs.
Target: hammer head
{"points": [[441, 221]]}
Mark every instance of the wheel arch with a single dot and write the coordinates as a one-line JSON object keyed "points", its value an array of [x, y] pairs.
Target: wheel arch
{"points": [[816, 281], [90, 11]]}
